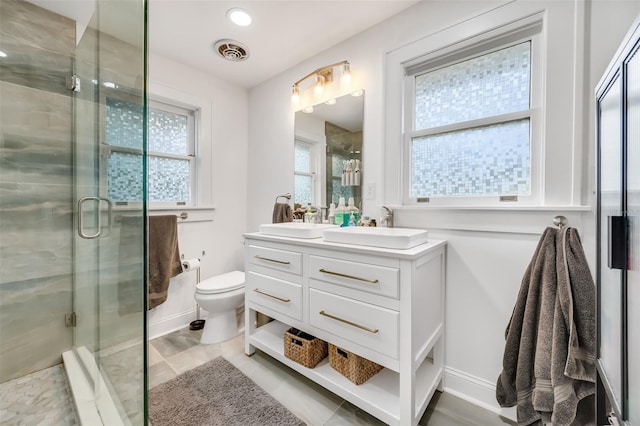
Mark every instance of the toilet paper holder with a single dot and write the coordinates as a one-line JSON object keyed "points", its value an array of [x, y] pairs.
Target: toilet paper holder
{"points": [[190, 265]]}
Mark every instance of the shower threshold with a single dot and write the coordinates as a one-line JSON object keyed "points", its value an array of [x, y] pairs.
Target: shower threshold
{"points": [[91, 396]]}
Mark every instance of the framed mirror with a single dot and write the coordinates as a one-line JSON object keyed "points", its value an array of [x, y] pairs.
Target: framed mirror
{"points": [[328, 151]]}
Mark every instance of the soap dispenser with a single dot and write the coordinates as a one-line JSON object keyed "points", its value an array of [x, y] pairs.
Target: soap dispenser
{"points": [[351, 208], [340, 213], [332, 213]]}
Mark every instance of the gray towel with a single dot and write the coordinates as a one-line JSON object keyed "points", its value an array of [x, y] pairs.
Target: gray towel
{"points": [[131, 260], [164, 257], [550, 350], [282, 213]]}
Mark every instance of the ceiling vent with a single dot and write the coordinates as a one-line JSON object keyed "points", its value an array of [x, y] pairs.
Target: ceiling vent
{"points": [[231, 50]]}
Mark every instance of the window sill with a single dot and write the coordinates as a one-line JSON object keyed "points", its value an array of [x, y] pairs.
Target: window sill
{"points": [[505, 207], [532, 220], [194, 213]]}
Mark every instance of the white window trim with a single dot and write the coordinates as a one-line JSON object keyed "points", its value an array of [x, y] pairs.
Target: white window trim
{"points": [[202, 194], [530, 28], [193, 119], [317, 144]]}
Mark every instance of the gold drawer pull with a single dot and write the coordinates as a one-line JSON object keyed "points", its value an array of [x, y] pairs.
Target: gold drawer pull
{"points": [[284, 262], [257, 290], [348, 276], [362, 327]]}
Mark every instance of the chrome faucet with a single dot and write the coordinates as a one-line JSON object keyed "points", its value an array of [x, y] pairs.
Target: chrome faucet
{"points": [[315, 216], [387, 219]]}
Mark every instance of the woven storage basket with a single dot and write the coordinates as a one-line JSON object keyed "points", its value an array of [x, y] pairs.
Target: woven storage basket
{"points": [[304, 348], [352, 366]]}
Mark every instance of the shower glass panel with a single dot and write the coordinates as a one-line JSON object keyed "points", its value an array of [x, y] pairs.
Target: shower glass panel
{"points": [[109, 242], [610, 204], [72, 261]]}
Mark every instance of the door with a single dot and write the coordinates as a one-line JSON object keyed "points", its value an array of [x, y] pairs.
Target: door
{"points": [[109, 246], [618, 279]]}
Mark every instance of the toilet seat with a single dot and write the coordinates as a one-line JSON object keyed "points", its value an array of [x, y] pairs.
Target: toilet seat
{"points": [[221, 283]]}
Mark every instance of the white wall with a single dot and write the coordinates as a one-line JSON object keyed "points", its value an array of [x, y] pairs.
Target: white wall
{"points": [[223, 144], [488, 250]]}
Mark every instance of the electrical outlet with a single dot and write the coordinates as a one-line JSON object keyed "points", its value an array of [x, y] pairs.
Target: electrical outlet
{"points": [[370, 191]]}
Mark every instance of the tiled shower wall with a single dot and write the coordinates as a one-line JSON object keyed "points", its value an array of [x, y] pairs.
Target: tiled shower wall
{"points": [[36, 206]]}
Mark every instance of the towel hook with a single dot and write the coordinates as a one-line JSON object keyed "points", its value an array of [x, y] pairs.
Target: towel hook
{"points": [[560, 221]]}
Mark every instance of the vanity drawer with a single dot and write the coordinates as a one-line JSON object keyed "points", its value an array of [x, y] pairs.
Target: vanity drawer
{"points": [[367, 277], [276, 294], [368, 325], [281, 260]]}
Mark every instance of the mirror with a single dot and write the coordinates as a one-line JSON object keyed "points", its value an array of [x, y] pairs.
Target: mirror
{"points": [[328, 150]]}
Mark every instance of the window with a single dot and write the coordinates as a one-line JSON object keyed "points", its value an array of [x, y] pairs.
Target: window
{"points": [[471, 119], [171, 153], [304, 175]]}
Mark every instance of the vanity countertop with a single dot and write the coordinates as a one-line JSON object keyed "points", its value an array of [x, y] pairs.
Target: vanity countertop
{"points": [[411, 253]]}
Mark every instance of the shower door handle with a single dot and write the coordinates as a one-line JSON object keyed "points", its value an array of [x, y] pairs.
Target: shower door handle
{"points": [[109, 217], [81, 217], [81, 232]]}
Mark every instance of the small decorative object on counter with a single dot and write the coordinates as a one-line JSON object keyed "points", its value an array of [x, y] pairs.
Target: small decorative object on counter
{"points": [[352, 366], [372, 222], [304, 348]]}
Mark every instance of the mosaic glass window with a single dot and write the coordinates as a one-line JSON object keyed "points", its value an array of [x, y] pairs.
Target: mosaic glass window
{"points": [[303, 158], [491, 158], [303, 189], [303, 192], [170, 140]]}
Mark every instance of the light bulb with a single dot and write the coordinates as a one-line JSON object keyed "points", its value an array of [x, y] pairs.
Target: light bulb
{"points": [[295, 95], [239, 16], [319, 87], [346, 74]]}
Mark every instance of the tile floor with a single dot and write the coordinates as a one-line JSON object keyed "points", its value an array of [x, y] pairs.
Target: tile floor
{"points": [[41, 398], [180, 351]]}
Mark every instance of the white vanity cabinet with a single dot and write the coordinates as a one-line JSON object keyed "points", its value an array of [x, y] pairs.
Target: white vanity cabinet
{"points": [[382, 304]]}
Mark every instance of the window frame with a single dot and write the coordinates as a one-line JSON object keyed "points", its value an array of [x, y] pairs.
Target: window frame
{"points": [[313, 160], [458, 52], [193, 122]]}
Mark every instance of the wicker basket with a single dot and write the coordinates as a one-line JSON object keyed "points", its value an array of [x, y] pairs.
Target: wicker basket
{"points": [[304, 348], [352, 366]]}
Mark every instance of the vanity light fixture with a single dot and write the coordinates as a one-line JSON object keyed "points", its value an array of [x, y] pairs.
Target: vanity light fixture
{"points": [[239, 16], [322, 76]]}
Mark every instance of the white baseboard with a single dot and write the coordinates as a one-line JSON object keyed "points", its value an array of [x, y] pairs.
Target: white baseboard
{"points": [[162, 326], [475, 390]]}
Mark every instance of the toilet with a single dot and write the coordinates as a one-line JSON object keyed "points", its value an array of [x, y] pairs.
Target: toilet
{"points": [[220, 296]]}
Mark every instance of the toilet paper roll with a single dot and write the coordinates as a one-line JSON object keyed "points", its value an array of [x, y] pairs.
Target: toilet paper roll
{"points": [[190, 264]]}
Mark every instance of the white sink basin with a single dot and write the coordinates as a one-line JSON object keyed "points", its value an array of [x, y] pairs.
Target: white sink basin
{"points": [[394, 238], [296, 229]]}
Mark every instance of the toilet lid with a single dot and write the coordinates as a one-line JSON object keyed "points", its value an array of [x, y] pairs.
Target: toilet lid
{"points": [[221, 283]]}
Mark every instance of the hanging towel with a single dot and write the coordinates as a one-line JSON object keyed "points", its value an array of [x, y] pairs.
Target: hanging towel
{"points": [[282, 213], [131, 265], [164, 257], [549, 362]]}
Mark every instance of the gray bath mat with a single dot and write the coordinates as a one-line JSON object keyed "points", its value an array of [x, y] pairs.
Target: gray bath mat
{"points": [[216, 393]]}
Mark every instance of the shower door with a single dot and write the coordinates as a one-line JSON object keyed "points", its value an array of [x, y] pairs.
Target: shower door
{"points": [[109, 242]]}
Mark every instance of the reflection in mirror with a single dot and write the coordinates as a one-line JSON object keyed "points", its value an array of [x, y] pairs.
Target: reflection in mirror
{"points": [[328, 152]]}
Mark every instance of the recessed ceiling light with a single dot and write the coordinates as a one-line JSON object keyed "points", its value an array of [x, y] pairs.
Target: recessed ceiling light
{"points": [[2, 54], [239, 16], [357, 93], [331, 102], [308, 110]]}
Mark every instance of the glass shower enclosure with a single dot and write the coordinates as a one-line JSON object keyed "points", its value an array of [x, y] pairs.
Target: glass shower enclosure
{"points": [[72, 262]]}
